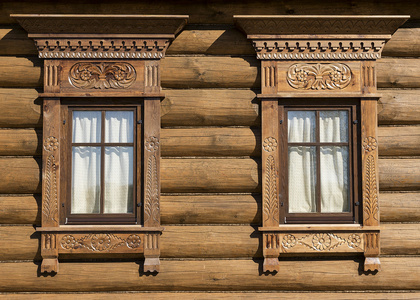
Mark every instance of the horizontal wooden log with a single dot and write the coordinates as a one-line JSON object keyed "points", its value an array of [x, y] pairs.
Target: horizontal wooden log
{"points": [[400, 207], [217, 295], [211, 175], [214, 12], [210, 72], [399, 141], [205, 107], [399, 107], [209, 40], [398, 273], [22, 242], [399, 174], [20, 142], [210, 209], [393, 141], [210, 107], [20, 108]]}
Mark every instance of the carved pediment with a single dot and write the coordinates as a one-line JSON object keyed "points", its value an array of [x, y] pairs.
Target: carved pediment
{"points": [[102, 36], [319, 37]]}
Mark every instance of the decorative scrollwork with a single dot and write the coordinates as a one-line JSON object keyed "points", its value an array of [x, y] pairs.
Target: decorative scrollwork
{"points": [[99, 242], [319, 76], [102, 75], [323, 241], [270, 144]]}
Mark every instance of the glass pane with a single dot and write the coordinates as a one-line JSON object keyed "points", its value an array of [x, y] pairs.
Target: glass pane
{"points": [[333, 126], [118, 192], [334, 179], [119, 126], [302, 179], [86, 126], [301, 126], [86, 180]]}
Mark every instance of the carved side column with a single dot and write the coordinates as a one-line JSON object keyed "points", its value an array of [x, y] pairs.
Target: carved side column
{"points": [[152, 182], [51, 184], [370, 181], [270, 162]]}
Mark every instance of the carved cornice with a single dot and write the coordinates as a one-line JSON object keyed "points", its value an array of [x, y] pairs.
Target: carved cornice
{"points": [[319, 37], [102, 48], [102, 36], [287, 25], [318, 49]]}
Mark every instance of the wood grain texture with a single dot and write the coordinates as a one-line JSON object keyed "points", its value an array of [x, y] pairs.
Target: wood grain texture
{"points": [[398, 106], [399, 207], [210, 107], [211, 209], [210, 72], [399, 174], [399, 141], [211, 175], [209, 40], [20, 108], [398, 273], [214, 12], [217, 295], [21, 242], [20, 142], [205, 107]]}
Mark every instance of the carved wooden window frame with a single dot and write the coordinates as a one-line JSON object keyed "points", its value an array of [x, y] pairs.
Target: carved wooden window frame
{"points": [[286, 45], [120, 55]]}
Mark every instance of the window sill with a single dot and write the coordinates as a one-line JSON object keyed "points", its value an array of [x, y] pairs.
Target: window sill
{"points": [[98, 228], [319, 227]]}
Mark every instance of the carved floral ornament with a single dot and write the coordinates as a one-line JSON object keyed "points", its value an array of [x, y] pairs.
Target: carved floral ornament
{"points": [[321, 241], [319, 76], [101, 242], [102, 75]]}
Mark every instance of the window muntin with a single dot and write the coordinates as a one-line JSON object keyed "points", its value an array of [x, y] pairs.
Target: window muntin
{"points": [[319, 159], [102, 165]]}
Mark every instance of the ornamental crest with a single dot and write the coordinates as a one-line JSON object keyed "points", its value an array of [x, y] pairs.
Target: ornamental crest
{"points": [[319, 76], [102, 75]]}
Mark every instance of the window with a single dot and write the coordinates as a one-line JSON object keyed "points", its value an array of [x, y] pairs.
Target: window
{"points": [[101, 130], [319, 159], [318, 130], [103, 157]]}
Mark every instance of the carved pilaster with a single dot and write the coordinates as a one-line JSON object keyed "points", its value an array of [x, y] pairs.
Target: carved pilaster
{"points": [[368, 77], [152, 76], [152, 162], [52, 71]]}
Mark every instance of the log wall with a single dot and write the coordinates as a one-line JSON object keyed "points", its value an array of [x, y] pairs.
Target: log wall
{"points": [[211, 181]]}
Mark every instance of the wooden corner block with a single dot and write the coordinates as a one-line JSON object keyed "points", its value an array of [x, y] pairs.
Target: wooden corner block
{"points": [[271, 264], [49, 265], [372, 264], [151, 264]]}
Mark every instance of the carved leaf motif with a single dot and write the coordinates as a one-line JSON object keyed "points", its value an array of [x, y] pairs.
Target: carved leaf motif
{"points": [[151, 203], [99, 242], [102, 75], [370, 195], [321, 241], [49, 203], [319, 76], [271, 204]]}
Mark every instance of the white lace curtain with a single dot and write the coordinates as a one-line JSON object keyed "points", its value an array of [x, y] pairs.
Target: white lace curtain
{"points": [[334, 161], [86, 163]]}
